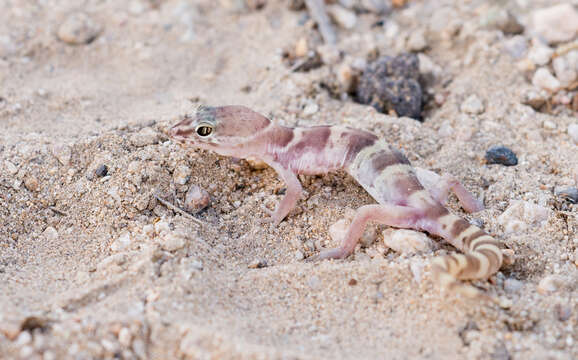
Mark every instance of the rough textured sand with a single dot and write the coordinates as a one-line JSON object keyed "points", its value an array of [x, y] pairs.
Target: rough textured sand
{"points": [[95, 267]]}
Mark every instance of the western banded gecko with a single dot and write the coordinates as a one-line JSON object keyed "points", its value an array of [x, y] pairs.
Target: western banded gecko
{"points": [[382, 171]]}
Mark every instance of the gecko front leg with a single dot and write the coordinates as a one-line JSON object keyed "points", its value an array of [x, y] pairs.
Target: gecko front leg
{"points": [[292, 195]]}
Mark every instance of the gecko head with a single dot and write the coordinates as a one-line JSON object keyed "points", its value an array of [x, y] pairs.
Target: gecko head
{"points": [[225, 129]]}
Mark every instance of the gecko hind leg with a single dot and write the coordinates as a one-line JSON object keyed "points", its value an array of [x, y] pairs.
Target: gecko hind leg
{"points": [[392, 215], [440, 186]]}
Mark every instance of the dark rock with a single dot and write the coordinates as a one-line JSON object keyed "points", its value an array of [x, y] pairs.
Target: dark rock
{"points": [[570, 194], [101, 171], [501, 155], [391, 83]]}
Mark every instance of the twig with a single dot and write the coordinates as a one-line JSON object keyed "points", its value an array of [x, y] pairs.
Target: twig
{"points": [[179, 210], [318, 13], [59, 212]]}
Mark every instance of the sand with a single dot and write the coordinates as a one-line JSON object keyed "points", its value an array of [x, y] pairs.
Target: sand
{"points": [[93, 266]]}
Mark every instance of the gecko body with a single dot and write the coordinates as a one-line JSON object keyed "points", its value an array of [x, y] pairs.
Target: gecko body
{"points": [[385, 173]]}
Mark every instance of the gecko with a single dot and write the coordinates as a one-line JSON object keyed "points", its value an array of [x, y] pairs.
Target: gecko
{"points": [[403, 201]]}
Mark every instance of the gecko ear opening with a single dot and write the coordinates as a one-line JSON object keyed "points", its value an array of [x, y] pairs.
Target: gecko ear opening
{"points": [[204, 130]]}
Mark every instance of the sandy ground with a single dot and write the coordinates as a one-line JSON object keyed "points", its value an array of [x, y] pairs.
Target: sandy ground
{"points": [[96, 267]]}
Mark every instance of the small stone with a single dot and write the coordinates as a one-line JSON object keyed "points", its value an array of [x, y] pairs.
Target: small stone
{"points": [[516, 47], [31, 183], [196, 199], [573, 132], [124, 337], [139, 348], [50, 234], [101, 171], [550, 284], [338, 229], [549, 125], [472, 105], [505, 303], [346, 78], [63, 153], [521, 214], [342, 17], [417, 41], [172, 242], [181, 174], [512, 285], [301, 48], [257, 264], [540, 54], [544, 79], [78, 28], [310, 109], [257, 164], [564, 73], [569, 194], [23, 339], [10, 168], [534, 98], [505, 21], [501, 155], [407, 242], [555, 24], [299, 255]]}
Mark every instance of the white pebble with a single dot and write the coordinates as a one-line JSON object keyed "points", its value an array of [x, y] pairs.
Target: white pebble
{"points": [[196, 199], [338, 229], [540, 54], [573, 132], [63, 153], [78, 28], [472, 105], [23, 339], [50, 234], [146, 136], [417, 41], [520, 214], [343, 17], [564, 73], [10, 168], [181, 174], [124, 337], [310, 109], [544, 79], [407, 241], [555, 24]]}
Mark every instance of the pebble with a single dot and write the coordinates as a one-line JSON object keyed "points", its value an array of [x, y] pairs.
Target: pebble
{"points": [[520, 214], [570, 194], [573, 132], [512, 285], [544, 79], [258, 264], [31, 183], [338, 229], [417, 41], [505, 21], [472, 105], [310, 109], [196, 199], [301, 47], [124, 337], [549, 125], [501, 155], [10, 168], [50, 234], [342, 17], [555, 24], [407, 242], [550, 284], [78, 28], [564, 73], [181, 174], [346, 78], [540, 54], [62, 153], [535, 98], [101, 171], [516, 47]]}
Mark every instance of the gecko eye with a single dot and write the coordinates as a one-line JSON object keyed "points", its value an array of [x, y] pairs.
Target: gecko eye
{"points": [[204, 130]]}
